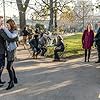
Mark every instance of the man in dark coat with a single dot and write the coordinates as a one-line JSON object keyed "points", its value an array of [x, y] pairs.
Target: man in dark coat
{"points": [[3, 39], [97, 42], [34, 43]]}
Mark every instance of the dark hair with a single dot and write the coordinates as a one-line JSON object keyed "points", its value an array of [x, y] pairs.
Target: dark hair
{"points": [[12, 24], [35, 36], [24, 28], [1, 16]]}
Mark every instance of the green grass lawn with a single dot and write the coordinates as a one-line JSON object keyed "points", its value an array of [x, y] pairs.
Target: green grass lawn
{"points": [[73, 46]]}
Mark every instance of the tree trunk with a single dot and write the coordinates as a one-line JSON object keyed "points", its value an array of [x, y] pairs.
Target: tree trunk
{"points": [[22, 7], [22, 18], [51, 16]]}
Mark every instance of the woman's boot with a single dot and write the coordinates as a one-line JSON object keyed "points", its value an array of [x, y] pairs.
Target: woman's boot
{"points": [[11, 85], [85, 54]]}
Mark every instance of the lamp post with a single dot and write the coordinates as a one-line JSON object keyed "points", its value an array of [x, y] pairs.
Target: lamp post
{"points": [[4, 11], [55, 15], [92, 16], [83, 15]]}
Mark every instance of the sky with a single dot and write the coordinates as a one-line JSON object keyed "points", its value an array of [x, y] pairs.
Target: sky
{"points": [[11, 8]]}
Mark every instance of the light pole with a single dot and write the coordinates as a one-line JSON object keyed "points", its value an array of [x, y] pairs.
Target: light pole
{"points": [[92, 16], [83, 15], [55, 15], [4, 11]]}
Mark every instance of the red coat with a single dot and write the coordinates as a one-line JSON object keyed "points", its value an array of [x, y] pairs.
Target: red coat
{"points": [[87, 39]]}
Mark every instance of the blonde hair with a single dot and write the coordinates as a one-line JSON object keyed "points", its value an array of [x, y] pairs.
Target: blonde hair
{"points": [[91, 26]]}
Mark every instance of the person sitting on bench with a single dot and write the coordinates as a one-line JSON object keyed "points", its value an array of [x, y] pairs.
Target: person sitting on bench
{"points": [[59, 48]]}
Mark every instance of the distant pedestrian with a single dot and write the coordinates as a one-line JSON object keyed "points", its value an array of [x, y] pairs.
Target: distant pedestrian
{"points": [[25, 34], [87, 41], [30, 33]]}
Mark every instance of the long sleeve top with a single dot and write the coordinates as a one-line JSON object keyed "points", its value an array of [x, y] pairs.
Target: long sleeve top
{"points": [[11, 45], [3, 39]]}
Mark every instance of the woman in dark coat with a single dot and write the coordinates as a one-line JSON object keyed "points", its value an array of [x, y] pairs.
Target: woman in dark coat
{"points": [[87, 41]]}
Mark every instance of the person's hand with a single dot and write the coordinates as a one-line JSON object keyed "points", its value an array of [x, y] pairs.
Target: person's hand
{"points": [[2, 27], [95, 45]]}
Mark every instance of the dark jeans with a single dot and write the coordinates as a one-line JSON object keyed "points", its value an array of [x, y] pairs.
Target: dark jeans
{"points": [[43, 51], [2, 64], [2, 60], [87, 54], [37, 51], [56, 56], [11, 70], [98, 50]]}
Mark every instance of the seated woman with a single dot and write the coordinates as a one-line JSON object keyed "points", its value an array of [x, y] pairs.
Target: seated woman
{"points": [[59, 48]]}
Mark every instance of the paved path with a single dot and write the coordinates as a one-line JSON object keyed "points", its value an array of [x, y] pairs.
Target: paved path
{"points": [[43, 79]]}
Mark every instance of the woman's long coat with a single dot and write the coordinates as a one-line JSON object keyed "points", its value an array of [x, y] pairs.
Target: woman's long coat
{"points": [[87, 39]]}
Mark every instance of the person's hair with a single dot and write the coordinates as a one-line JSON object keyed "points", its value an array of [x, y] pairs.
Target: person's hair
{"points": [[35, 36], [1, 17], [12, 24], [91, 27], [24, 28], [60, 37]]}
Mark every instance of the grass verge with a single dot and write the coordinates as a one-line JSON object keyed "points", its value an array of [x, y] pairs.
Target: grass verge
{"points": [[73, 46]]}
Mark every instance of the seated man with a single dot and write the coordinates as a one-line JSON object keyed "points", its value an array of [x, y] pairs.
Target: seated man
{"points": [[34, 43], [59, 48]]}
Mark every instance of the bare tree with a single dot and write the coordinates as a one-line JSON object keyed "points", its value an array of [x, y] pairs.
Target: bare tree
{"points": [[22, 9], [51, 8], [82, 10]]}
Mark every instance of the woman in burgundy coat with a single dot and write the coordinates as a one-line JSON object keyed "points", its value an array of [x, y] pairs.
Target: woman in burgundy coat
{"points": [[87, 41]]}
